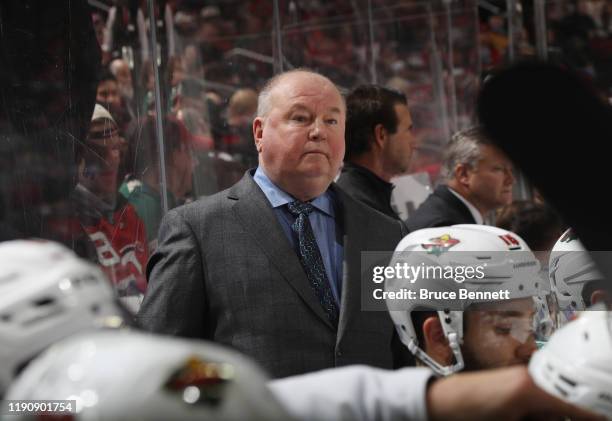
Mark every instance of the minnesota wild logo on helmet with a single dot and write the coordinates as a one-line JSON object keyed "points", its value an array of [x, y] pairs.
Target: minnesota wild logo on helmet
{"points": [[440, 244]]}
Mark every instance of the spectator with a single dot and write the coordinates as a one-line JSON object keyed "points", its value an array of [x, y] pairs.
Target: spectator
{"points": [[111, 223], [144, 191], [99, 24], [123, 75], [238, 141], [190, 96], [107, 93], [574, 34], [109, 97]]}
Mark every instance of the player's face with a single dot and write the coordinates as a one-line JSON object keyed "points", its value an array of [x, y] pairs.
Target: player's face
{"points": [[500, 336]]}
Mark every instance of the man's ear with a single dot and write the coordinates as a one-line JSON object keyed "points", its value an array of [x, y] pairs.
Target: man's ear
{"points": [[436, 344], [462, 174], [601, 296], [258, 133], [380, 135]]}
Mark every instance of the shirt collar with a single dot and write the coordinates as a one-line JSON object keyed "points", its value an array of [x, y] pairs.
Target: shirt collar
{"points": [[475, 213], [278, 197]]}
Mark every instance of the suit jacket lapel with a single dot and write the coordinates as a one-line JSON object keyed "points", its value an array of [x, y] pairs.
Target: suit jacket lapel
{"points": [[458, 205], [257, 217]]}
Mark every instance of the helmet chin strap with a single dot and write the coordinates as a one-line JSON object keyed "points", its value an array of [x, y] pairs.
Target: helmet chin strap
{"points": [[439, 369]]}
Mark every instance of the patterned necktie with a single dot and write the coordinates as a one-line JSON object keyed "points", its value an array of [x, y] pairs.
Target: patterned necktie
{"points": [[310, 257]]}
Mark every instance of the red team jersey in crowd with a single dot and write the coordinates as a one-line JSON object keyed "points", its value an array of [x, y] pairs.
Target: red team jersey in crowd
{"points": [[121, 246]]}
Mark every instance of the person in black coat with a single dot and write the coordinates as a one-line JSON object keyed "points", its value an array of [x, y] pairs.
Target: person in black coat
{"points": [[478, 178], [379, 145]]}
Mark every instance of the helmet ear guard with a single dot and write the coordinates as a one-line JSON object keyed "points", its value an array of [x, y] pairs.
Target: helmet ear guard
{"points": [[452, 325], [438, 368], [467, 246]]}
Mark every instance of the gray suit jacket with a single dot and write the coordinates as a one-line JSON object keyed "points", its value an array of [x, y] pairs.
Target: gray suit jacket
{"points": [[225, 271]]}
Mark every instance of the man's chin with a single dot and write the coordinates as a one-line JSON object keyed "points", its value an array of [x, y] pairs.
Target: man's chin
{"points": [[316, 171], [506, 198], [310, 184]]}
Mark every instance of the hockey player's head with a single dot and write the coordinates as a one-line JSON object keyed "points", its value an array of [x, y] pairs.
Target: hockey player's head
{"points": [[499, 334], [497, 325], [47, 293], [127, 375], [576, 364], [575, 280]]}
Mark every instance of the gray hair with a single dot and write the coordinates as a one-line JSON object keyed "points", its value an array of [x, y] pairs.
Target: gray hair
{"points": [[113, 67], [463, 148], [263, 100]]}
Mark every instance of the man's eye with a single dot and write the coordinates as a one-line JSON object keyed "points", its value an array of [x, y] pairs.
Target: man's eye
{"points": [[332, 121], [299, 118], [502, 330]]}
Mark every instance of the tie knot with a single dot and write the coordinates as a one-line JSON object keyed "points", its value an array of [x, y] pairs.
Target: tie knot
{"points": [[298, 208]]}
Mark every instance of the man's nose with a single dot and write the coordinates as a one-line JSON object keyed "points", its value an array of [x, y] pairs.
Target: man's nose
{"points": [[525, 350], [316, 130], [113, 156]]}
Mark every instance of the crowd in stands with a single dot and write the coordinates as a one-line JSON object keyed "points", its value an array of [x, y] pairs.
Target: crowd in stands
{"points": [[578, 35]]}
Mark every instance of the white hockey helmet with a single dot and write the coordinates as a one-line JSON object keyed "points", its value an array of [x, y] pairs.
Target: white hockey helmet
{"points": [[546, 303], [128, 375], [512, 240], [46, 294], [576, 363], [571, 269], [504, 260]]}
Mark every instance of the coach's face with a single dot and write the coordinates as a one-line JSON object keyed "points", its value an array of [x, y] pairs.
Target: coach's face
{"points": [[490, 183], [300, 139]]}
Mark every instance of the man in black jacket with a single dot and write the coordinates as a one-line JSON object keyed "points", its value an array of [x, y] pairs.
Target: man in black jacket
{"points": [[478, 178], [379, 145]]}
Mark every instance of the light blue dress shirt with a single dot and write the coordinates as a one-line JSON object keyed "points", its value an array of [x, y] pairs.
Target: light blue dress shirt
{"points": [[322, 220]]}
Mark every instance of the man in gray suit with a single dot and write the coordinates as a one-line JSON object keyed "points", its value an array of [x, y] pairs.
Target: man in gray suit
{"points": [[242, 267]]}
